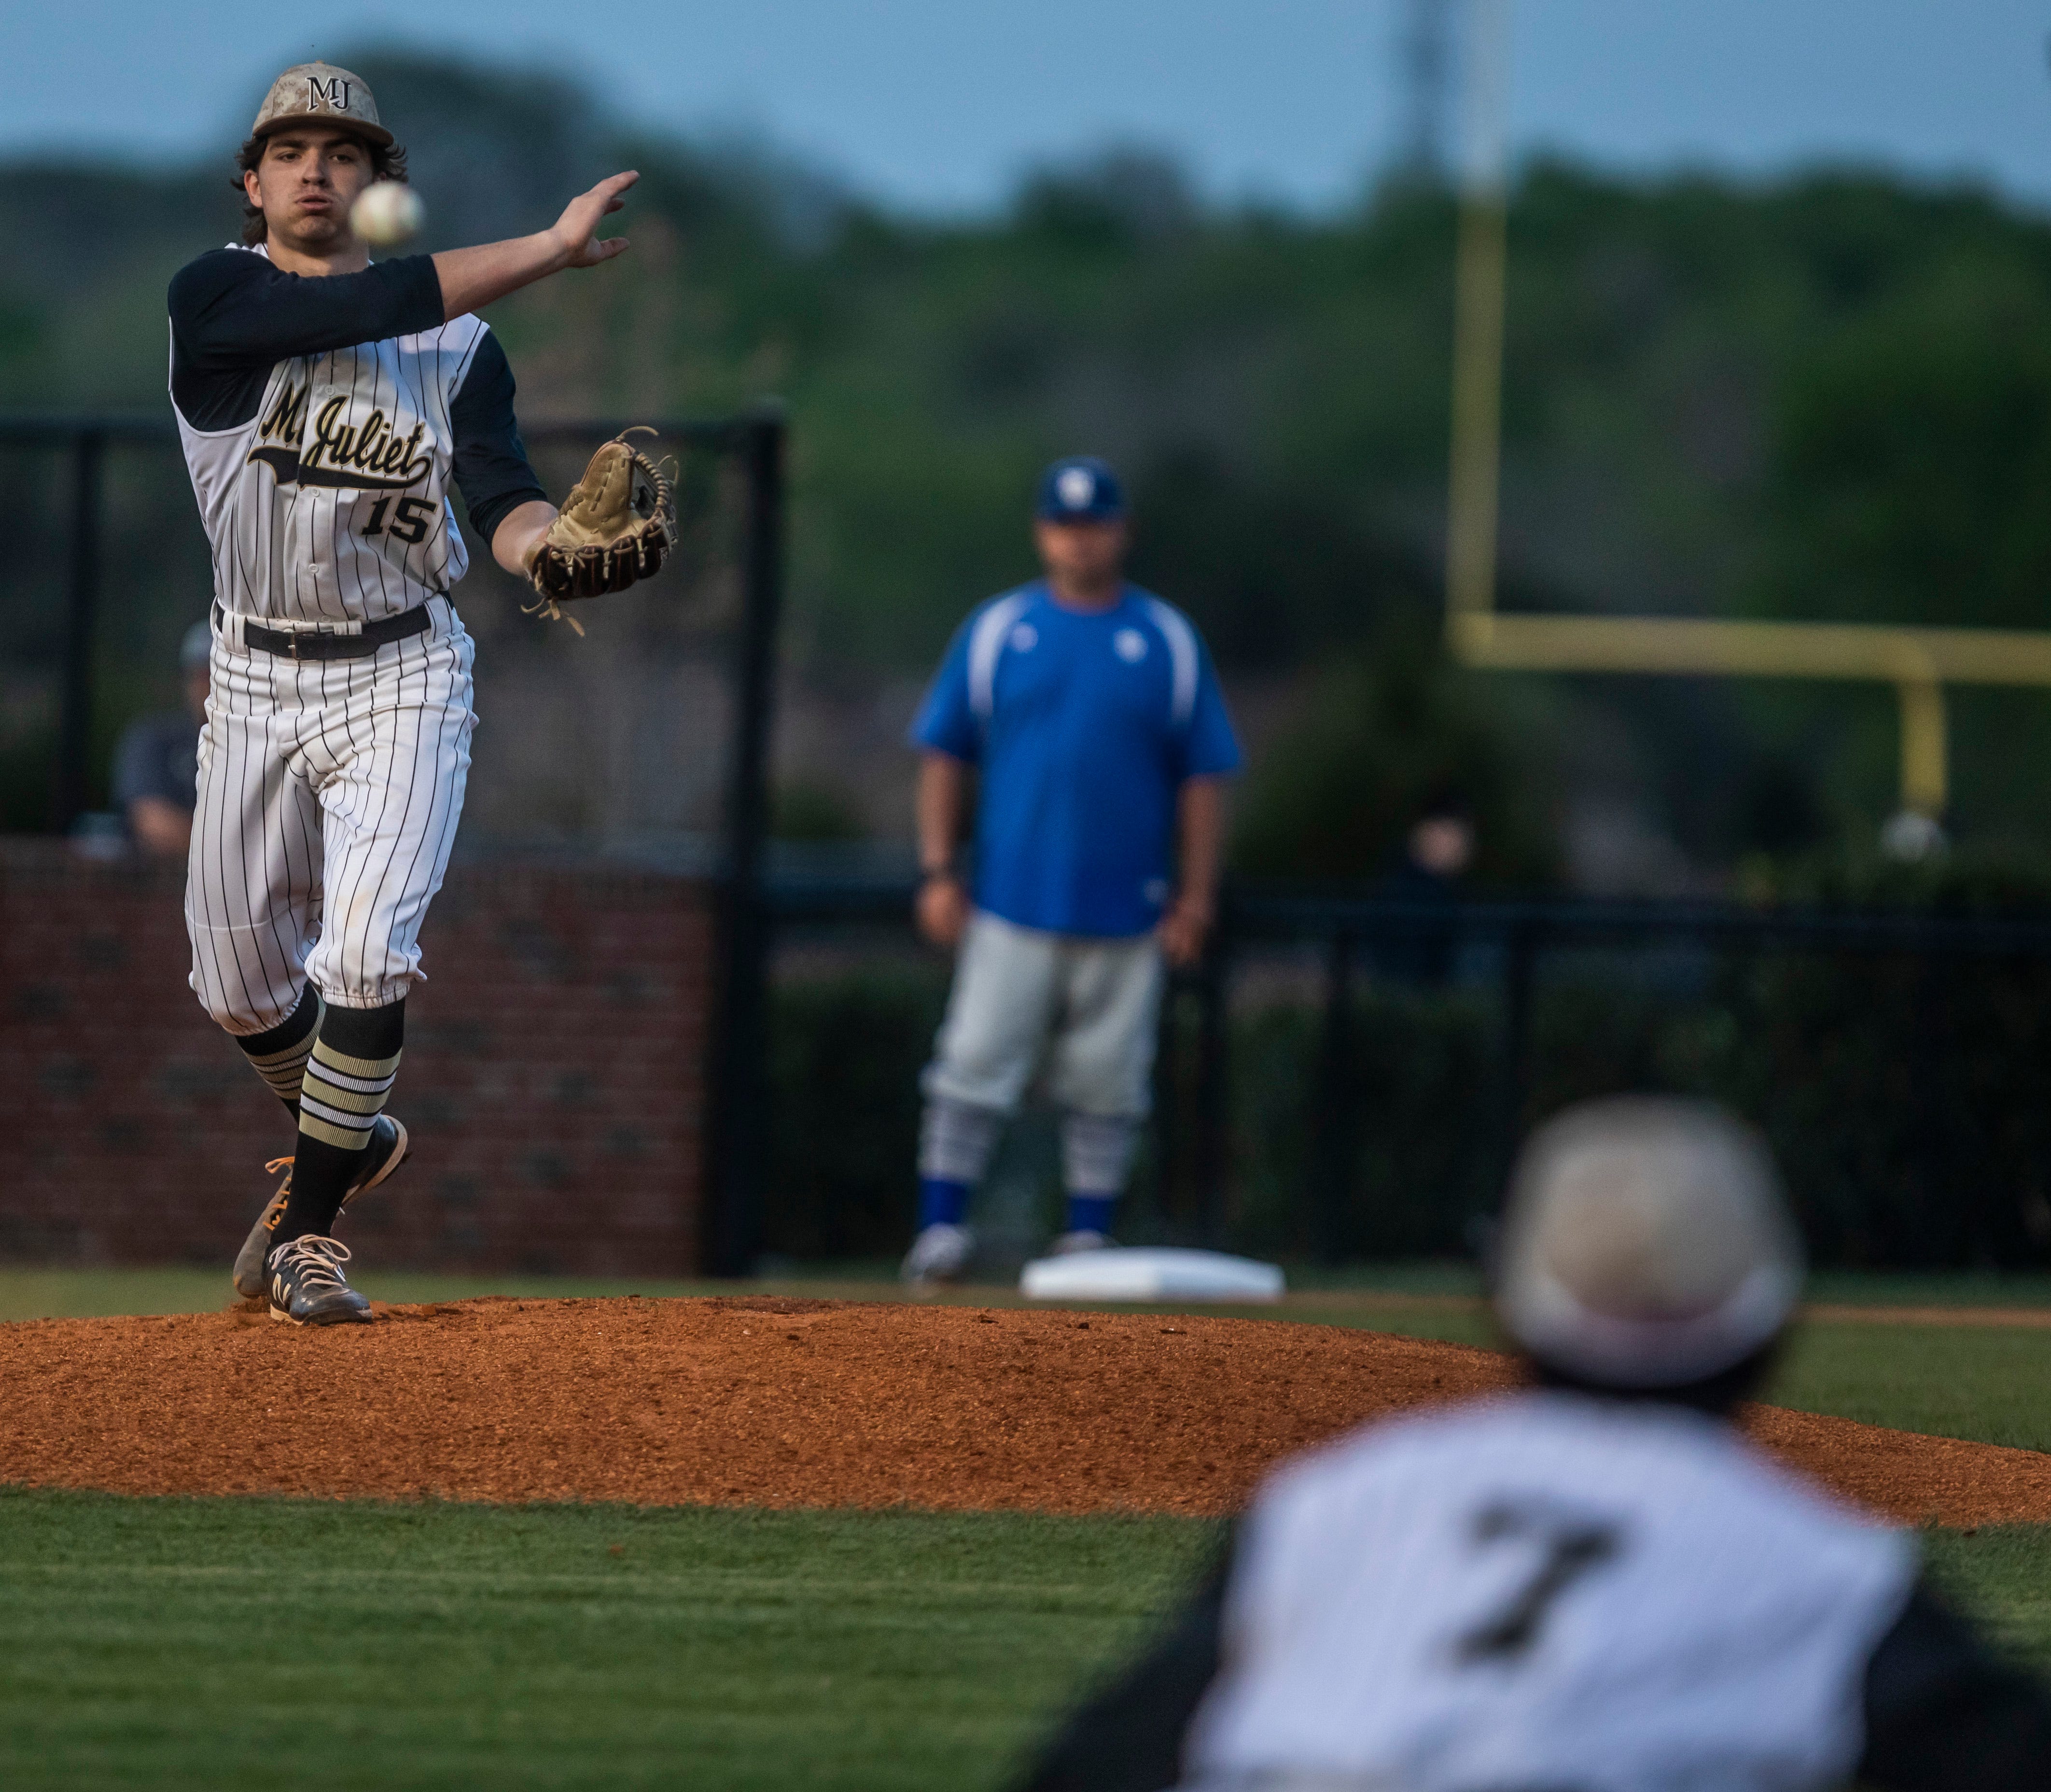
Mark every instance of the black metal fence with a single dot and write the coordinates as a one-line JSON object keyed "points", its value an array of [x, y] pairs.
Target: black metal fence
{"points": [[1348, 1074], [1872, 1008]]}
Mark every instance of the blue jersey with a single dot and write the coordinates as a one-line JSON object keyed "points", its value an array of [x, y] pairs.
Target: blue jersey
{"points": [[1084, 725]]}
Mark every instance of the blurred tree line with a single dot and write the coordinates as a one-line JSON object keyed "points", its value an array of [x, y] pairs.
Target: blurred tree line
{"points": [[1826, 396]]}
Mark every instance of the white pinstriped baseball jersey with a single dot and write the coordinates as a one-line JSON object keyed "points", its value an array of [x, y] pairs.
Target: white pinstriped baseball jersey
{"points": [[328, 501], [324, 421], [1547, 1591]]}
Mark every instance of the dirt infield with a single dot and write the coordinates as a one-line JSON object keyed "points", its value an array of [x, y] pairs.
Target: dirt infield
{"points": [[789, 1402]]}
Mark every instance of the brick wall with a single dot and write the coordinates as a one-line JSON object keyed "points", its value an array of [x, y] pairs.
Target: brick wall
{"points": [[553, 1080]]}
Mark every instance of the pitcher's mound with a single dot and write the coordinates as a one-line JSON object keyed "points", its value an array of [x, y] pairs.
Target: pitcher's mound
{"points": [[780, 1402]]}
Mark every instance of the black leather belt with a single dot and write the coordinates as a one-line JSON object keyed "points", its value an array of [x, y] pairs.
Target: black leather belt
{"points": [[309, 644]]}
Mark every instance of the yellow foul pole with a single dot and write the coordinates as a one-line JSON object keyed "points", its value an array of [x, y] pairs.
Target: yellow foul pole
{"points": [[1478, 304], [1917, 662], [1471, 530]]}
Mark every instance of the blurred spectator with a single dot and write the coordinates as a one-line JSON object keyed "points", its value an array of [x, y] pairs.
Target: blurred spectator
{"points": [[156, 761], [1436, 855], [1598, 1582]]}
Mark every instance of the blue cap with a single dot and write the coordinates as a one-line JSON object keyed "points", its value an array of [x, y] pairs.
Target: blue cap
{"points": [[1079, 489]]}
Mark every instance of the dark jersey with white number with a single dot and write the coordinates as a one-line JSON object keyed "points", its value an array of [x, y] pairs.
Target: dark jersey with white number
{"points": [[1557, 1593], [324, 421]]}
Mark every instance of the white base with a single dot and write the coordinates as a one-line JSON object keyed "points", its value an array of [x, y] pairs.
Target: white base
{"points": [[1138, 1273]]}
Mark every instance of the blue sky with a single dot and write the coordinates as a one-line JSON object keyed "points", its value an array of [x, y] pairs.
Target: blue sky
{"points": [[938, 104]]}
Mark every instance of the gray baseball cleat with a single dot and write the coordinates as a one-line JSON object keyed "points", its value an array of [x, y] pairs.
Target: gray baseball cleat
{"points": [[1073, 1244], [385, 1153], [308, 1288], [940, 1253]]}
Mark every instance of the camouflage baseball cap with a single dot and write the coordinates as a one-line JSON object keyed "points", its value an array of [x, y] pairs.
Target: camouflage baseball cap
{"points": [[310, 92], [1647, 1243]]}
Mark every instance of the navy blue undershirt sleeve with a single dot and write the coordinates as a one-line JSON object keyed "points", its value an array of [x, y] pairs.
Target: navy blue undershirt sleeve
{"points": [[1129, 1737], [491, 461], [1944, 1713], [235, 316], [232, 308]]}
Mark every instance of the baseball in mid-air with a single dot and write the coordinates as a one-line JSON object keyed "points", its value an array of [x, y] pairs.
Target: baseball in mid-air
{"points": [[386, 212]]}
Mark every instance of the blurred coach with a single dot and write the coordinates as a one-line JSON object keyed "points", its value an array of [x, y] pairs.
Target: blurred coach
{"points": [[1089, 711], [156, 760]]}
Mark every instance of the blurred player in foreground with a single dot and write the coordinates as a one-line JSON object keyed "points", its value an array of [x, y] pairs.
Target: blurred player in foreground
{"points": [[1089, 711], [1597, 1584], [327, 406], [156, 760]]}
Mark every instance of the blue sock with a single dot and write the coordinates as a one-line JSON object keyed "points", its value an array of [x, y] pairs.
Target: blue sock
{"points": [[941, 1202], [1091, 1213]]}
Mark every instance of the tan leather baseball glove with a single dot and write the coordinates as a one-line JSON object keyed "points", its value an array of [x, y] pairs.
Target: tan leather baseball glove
{"points": [[618, 525]]}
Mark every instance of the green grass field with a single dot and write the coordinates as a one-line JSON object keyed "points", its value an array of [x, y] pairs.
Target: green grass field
{"points": [[187, 1643], [254, 1643]]}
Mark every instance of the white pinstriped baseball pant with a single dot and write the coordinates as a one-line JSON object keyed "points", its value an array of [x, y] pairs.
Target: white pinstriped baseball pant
{"points": [[329, 794]]}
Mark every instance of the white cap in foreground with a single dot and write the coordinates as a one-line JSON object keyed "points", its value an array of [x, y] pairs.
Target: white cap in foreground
{"points": [[1646, 1244]]}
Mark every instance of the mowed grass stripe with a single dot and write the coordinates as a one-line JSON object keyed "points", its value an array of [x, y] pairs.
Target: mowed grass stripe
{"points": [[237, 1643], [35, 1292], [2001, 1576], [805, 1588], [247, 1642], [1990, 1385]]}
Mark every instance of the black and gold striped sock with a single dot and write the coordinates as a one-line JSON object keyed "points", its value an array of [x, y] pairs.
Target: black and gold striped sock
{"points": [[279, 1054], [343, 1094], [354, 1065]]}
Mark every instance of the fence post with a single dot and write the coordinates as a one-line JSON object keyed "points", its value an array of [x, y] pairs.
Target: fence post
{"points": [[68, 785], [1167, 1116], [1331, 1129], [738, 1130], [1521, 950], [1212, 1121], [1959, 1237]]}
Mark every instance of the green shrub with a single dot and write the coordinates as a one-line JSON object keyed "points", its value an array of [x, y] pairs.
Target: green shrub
{"points": [[815, 809], [1903, 1096], [1406, 1166], [844, 1053], [1381, 730]]}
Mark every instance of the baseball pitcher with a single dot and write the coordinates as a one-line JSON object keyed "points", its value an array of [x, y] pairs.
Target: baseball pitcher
{"points": [[327, 406], [1596, 1584]]}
